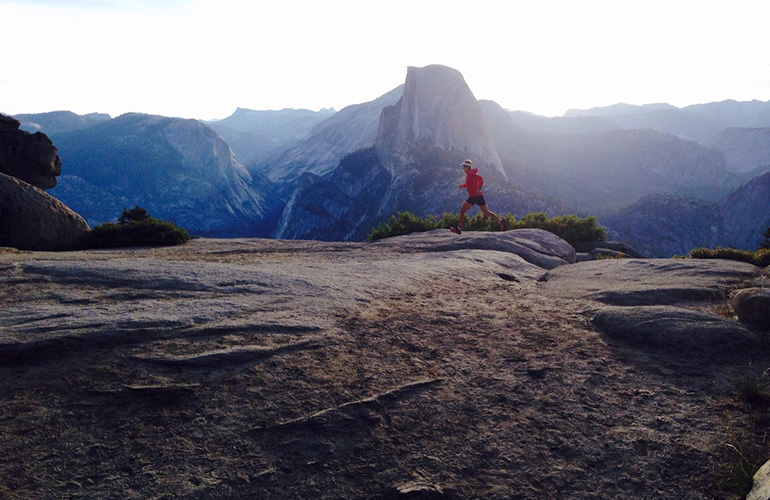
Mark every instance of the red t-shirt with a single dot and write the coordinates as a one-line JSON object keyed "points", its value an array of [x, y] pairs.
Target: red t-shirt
{"points": [[473, 182]]}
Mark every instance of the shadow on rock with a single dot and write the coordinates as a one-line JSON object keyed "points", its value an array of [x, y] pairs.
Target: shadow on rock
{"points": [[680, 334]]}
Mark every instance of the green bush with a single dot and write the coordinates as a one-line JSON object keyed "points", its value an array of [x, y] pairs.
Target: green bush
{"points": [[571, 228], [135, 228], [759, 258], [403, 223]]}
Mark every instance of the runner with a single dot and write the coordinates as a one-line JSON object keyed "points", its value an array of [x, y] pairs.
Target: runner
{"points": [[473, 183]]}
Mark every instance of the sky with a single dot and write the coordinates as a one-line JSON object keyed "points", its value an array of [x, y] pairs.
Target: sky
{"points": [[205, 58]]}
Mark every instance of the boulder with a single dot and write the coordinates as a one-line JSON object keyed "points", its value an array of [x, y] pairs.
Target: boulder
{"points": [[30, 157], [761, 488], [636, 282], [616, 246], [752, 305], [536, 246], [419, 489], [30, 219], [675, 331]]}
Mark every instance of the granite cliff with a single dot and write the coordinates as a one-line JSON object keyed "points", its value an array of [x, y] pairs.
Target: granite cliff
{"points": [[179, 170], [437, 109], [412, 163]]}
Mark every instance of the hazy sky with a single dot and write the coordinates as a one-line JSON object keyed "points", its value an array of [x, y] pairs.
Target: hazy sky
{"points": [[204, 58]]}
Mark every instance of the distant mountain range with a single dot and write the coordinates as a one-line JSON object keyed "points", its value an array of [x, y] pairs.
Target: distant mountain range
{"points": [[663, 178], [179, 170]]}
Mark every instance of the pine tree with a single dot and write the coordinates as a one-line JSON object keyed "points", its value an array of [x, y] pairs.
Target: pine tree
{"points": [[766, 243]]}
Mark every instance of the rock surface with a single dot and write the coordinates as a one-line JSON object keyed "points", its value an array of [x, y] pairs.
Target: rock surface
{"points": [[761, 488], [427, 366], [645, 282], [538, 247], [30, 219], [676, 331], [752, 305], [29, 157]]}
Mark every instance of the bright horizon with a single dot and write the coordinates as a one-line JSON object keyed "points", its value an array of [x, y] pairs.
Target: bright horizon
{"points": [[205, 58]]}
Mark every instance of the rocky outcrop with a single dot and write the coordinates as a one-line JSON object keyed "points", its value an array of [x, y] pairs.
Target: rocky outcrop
{"points": [[648, 282], [752, 305], [437, 108], [535, 246], [661, 306], [609, 248], [30, 219], [675, 331], [30, 157], [761, 487]]}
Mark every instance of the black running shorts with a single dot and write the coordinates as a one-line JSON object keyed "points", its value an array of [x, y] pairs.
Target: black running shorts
{"points": [[477, 200]]}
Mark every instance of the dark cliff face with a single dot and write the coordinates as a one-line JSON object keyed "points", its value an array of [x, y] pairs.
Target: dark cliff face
{"points": [[341, 205], [666, 225], [29, 218], [31, 158], [745, 215]]}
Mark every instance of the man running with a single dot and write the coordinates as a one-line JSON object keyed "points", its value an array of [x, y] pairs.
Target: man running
{"points": [[473, 183]]}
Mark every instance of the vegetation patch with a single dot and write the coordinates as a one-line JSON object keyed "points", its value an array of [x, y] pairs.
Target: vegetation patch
{"points": [[571, 228], [746, 439], [135, 228], [759, 257]]}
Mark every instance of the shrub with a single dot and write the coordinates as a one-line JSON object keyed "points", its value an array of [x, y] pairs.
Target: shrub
{"points": [[759, 258], [571, 228], [766, 243], [403, 223], [135, 228], [751, 387], [135, 214]]}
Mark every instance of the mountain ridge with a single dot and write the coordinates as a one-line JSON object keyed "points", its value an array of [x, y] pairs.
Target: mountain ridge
{"points": [[581, 163], [177, 169]]}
